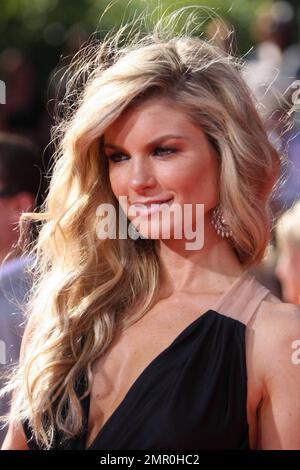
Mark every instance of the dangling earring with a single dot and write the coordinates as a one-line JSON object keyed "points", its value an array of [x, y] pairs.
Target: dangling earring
{"points": [[219, 223]]}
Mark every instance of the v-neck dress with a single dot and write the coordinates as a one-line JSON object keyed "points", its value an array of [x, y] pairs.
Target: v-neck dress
{"points": [[193, 395]]}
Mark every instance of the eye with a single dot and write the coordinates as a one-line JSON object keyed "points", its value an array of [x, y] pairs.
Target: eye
{"points": [[114, 157], [165, 150], [117, 157]]}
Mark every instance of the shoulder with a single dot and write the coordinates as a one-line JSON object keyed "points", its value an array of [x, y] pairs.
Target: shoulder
{"points": [[277, 335], [277, 355], [280, 318]]}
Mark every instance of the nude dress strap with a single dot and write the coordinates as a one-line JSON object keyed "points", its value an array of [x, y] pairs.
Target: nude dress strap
{"points": [[243, 298]]}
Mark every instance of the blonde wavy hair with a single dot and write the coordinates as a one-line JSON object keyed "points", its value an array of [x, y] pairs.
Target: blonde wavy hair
{"points": [[84, 286]]}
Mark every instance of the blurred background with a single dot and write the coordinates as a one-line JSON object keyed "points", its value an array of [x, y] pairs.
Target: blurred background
{"points": [[37, 40]]}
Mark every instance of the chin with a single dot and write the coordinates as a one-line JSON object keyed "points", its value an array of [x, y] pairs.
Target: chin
{"points": [[154, 231]]}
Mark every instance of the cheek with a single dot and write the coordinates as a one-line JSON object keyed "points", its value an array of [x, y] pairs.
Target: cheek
{"points": [[118, 182], [198, 183], [191, 179], [120, 187]]}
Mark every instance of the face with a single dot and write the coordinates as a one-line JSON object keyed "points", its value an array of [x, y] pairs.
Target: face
{"points": [[155, 153], [288, 273]]}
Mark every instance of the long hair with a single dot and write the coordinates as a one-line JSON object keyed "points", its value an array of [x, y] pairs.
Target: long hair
{"points": [[86, 288]]}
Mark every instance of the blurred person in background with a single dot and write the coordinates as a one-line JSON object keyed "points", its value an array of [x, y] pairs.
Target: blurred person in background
{"points": [[288, 261], [272, 73], [20, 179]]}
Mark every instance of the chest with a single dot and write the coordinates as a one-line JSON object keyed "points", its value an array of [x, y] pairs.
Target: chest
{"points": [[115, 372]]}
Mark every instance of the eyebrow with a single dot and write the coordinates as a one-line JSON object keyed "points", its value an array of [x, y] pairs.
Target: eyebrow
{"points": [[153, 142]]}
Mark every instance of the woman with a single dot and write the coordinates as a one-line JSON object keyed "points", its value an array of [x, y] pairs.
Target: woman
{"points": [[141, 343], [288, 261]]}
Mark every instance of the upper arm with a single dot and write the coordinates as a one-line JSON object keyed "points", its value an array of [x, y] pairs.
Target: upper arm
{"points": [[279, 413], [15, 438]]}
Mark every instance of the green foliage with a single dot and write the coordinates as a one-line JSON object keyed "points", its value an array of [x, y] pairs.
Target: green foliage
{"points": [[48, 29], [28, 23]]}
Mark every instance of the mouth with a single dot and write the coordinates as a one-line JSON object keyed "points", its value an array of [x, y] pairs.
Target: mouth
{"points": [[151, 208]]}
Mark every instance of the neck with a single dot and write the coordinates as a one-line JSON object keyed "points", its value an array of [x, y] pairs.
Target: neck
{"points": [[202, 271]]}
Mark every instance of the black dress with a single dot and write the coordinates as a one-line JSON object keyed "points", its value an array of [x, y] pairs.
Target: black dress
{"points": [[193, 395]]}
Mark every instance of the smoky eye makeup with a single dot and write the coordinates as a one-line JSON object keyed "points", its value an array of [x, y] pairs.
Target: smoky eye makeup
{"points": [[157, 151]]}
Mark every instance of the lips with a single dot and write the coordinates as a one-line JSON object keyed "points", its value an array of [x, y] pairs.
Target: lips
{"points": [[149, 208]]}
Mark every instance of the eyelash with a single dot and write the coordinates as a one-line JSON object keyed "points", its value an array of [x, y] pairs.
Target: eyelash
{"points": [[169, 149]]}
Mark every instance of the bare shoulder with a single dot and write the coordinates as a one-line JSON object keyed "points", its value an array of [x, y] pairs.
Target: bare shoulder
{"points": [[276, 326], [280, 323], [277, 358], [272, 334], [279, 317]]}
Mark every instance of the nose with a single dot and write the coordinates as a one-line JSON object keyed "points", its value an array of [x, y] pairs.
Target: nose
{"points": [[141, 176]]}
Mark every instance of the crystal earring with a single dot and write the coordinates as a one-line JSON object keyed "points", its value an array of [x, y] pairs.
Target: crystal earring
{"points": [[219, 223]]}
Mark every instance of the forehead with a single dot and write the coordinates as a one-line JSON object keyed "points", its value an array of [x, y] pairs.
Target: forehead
{"points": [[155, 115]]}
